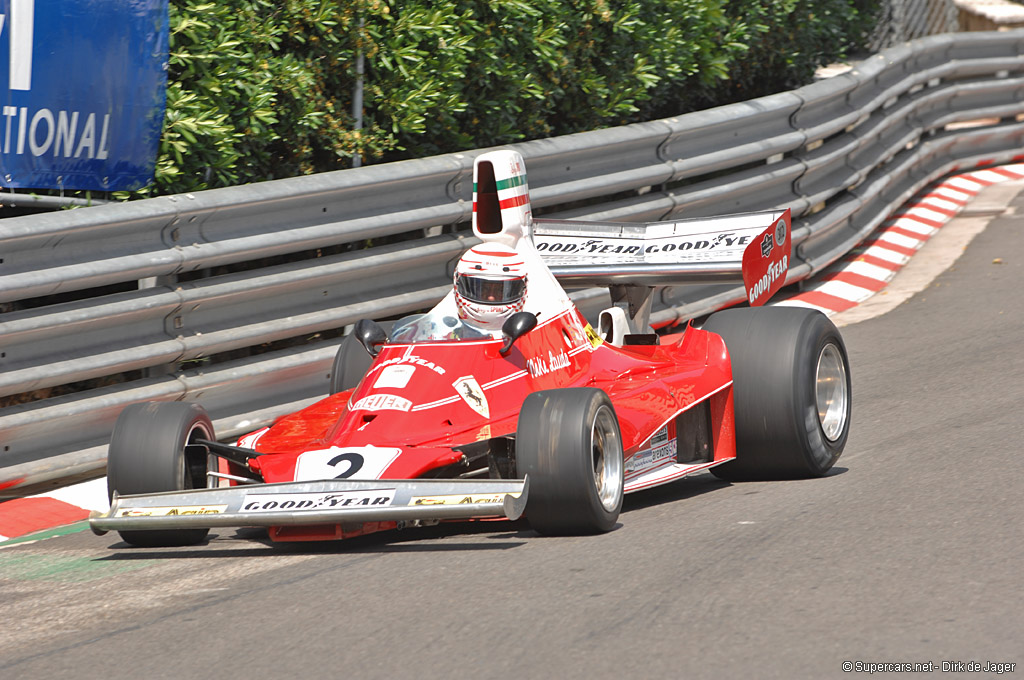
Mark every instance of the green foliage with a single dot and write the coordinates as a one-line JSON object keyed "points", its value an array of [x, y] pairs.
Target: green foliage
{"points": [[788, 40], [259, 89], [250, 91], [458, 74]]}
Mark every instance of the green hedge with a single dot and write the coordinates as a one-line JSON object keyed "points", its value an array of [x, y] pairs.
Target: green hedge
{"points": [[260, 89]]}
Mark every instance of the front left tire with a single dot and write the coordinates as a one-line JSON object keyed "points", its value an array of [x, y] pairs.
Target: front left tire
{"points": [[152, 450], [569, 444]]}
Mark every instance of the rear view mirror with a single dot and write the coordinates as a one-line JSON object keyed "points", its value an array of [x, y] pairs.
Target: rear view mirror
{"points": [[515, 327], [370, 335]]}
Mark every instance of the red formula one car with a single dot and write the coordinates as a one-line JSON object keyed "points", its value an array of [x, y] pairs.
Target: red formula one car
{"points": [[503, 401]]}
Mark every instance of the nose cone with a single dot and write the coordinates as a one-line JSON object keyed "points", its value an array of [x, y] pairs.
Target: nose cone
{"points": [[411, 398]]}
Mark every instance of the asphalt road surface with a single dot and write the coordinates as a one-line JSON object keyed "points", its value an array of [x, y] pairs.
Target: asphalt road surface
{"points": [[910, 551]]}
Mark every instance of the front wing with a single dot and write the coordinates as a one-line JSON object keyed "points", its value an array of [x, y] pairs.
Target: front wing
{"points": [[333, 501]]}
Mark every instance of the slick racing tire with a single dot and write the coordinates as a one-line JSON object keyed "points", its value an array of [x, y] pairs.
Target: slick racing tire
{"points": [[569, 445], [152, 450], [352, 361], [791, 391]]}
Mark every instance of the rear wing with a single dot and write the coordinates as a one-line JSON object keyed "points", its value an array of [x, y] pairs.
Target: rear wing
{"points": [[752, 248], [630, 259]]}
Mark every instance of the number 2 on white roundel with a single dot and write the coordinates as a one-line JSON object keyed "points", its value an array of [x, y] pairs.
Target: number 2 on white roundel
{"points": [[363, 462]]}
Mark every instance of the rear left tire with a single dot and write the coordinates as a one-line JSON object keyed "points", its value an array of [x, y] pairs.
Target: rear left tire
{"points": [[351, 363]]}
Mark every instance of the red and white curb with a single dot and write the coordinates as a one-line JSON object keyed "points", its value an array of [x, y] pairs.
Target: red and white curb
{"points": [[23, 516], [863, 272], [867, 269]]}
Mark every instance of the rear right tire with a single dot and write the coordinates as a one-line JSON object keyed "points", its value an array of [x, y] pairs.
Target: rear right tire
{"points": [[791, 391]]}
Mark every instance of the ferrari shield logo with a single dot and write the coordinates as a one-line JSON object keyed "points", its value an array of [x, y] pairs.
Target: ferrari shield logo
{"points": [[471, 392]]}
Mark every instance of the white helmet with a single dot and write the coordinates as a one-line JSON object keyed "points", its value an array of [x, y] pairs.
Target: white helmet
{"points": [[490, 284]]}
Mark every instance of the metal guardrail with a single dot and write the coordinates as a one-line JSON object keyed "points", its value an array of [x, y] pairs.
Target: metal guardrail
{"points": [[202, 276]]}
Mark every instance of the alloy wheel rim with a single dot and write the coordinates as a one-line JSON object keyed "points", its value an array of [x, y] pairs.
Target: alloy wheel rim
{"points": [[831, 392], [607, 459]]}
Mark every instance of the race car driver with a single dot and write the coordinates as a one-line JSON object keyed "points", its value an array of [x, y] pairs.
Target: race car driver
{"points": [[490, 286]]}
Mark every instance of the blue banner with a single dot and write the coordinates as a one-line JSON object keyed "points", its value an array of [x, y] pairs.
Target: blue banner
{"points": [[82, 92]]}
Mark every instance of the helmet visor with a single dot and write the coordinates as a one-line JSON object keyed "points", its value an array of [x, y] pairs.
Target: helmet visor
{"points": [[490, 291]]}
